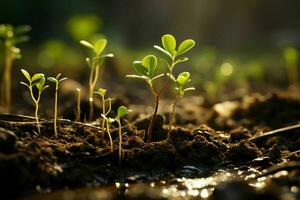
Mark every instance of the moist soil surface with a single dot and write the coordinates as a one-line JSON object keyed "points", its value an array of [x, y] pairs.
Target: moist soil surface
{"points": [[204, 140]]}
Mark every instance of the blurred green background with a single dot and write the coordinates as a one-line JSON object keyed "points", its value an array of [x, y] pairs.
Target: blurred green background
{"points": [[240, 45]]}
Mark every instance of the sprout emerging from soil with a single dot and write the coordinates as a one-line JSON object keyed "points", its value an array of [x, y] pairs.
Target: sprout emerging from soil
{"points": [[145, 70], [95, 62], [170, 56], [122, 111], [56, 80], [9, 37], [78, 113], [180, 89], [291, 55], [37, 80]]}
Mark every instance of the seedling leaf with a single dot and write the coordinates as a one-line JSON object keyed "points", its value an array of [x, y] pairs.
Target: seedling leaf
{"points": [[164, 52], [100, 45], [139, 68], [87, 44], [40, 84], [185, 46], [122, 111], [26, 74], [150, 62], [183, 78], [180, 60], [52, 79], [169, 43], [102, 91]]}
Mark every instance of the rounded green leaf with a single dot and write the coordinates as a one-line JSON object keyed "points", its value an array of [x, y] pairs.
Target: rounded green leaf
{"points": [[87, 44], [40, 84], [183, 78], [140, 68], [102, 91], [150, 62], [185, 46], [100, 45], [122, 111], [26, 74], [169, 43]]}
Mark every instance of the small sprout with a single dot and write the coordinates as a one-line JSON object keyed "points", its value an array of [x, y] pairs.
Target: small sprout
{"points": [[122, 111], [291, 55], [78, 113], [145, 70], [10, 37], [56, 80], [102, 92], [95, 63], [180, 90], [170, 57], [108, 121], [37, 80]]}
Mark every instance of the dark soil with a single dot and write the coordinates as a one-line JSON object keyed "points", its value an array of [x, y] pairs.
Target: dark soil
{"points": [[81, 157]]}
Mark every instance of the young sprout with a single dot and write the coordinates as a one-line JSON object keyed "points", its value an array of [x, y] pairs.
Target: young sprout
{"points": [[172, 56], [56, 80], [122, 111], [102, 92], [180, 89], [9, 37], [291, 60], [95, 63], [78, 113], [37, 80], [145, 70]]}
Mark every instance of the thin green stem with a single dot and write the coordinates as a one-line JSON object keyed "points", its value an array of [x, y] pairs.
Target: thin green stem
{"points": [[103, 113], [109, 135], [151, 123], [120, 140], [55, 110], [78, 105], [172, 117]]}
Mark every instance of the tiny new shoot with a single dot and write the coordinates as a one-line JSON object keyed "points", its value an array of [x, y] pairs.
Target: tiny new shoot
{"points": [[291, 60], [78, 112], [94, 63], [37, 80], [180, 90], [122, 111], [10, 37], [56, 80], [106, 121], [145, 70]]}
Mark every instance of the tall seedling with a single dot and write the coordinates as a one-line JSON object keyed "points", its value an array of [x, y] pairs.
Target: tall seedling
{"points": [[95, 62], [10, 37], [37, 81], [145, 70], [56, 80], [172, 56]]}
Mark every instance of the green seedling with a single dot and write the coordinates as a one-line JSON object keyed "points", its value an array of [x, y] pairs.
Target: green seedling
{"points": [[172, 56], [56, 80], [180, 90], [122, 111], [102, 92], [10, 37], [78, 113], [106, 121], [291, 55], [95, 62], [37, 80], [145, 70]]}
